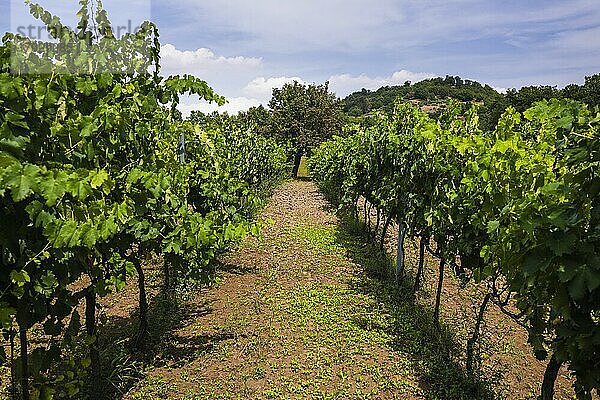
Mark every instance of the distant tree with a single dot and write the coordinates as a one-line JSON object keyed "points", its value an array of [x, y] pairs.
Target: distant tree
{"points": [[573, 91], [422, 93], [258, 118], [491, 112], [464, 94], [588, 93], [363, 102], [198, 117], [522, 99], [591, 90], [364, 105], [449, 80], [214, 119], [467, 91], [305, 115], [442, 92]]}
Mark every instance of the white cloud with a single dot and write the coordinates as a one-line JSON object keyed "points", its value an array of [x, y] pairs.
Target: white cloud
{"points": [[345, 84], [227, 75], [299, 25], [200, 60], [224, 74], [579, 40], [262, 88], [351, 25], [507, 44], [256, 92], [504, 43], [500, 89]]}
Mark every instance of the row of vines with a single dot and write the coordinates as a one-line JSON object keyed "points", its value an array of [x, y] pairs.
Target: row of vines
{"points": [[94, 180], [516, 210]]}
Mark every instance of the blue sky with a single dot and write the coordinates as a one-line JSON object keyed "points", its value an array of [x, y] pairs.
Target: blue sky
{"points": [[245, 48]]}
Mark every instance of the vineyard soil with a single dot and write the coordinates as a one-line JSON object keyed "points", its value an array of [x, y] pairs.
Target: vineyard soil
{"points": [[305, 313]]}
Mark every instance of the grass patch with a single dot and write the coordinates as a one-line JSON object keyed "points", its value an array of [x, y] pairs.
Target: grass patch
{"points": [[303, 172], [433, 351], [322, 239]]}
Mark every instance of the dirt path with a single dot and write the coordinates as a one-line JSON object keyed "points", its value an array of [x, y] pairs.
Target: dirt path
{"points": [[304, 313], [289, 319]]}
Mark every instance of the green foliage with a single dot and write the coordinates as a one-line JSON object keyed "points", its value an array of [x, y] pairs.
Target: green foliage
{"points": [[429, 90], [90, 179], [258, 119], [242, 140], [518, 206], [435, 93], [299, 118], [304, 116]]}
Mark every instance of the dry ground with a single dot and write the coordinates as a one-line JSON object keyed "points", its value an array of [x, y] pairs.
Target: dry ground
{"points": [[309, 311]]}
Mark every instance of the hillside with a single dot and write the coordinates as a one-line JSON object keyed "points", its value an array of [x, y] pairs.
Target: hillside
{"points": [[429, 92], [433, 94]]}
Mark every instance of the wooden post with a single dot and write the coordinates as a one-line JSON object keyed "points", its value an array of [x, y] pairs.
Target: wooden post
{"points": [[24, 362], [181, 149], [92, 332], [421, 269], [475, 336], [438, 296], [400, 255]]}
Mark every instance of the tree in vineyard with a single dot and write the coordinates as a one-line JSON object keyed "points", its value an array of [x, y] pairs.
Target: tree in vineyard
{"points": [[304, 115]]}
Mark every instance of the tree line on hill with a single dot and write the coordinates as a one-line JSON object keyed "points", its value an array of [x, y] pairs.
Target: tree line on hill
{"points": [[383, 99], [301, 116], [493, 103]]}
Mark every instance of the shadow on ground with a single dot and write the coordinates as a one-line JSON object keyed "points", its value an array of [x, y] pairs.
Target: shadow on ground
{"points": [[433, 350], [123, 366]]}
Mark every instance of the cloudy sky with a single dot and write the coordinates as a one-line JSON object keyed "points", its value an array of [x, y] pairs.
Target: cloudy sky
{"points": [[245, 48]]}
